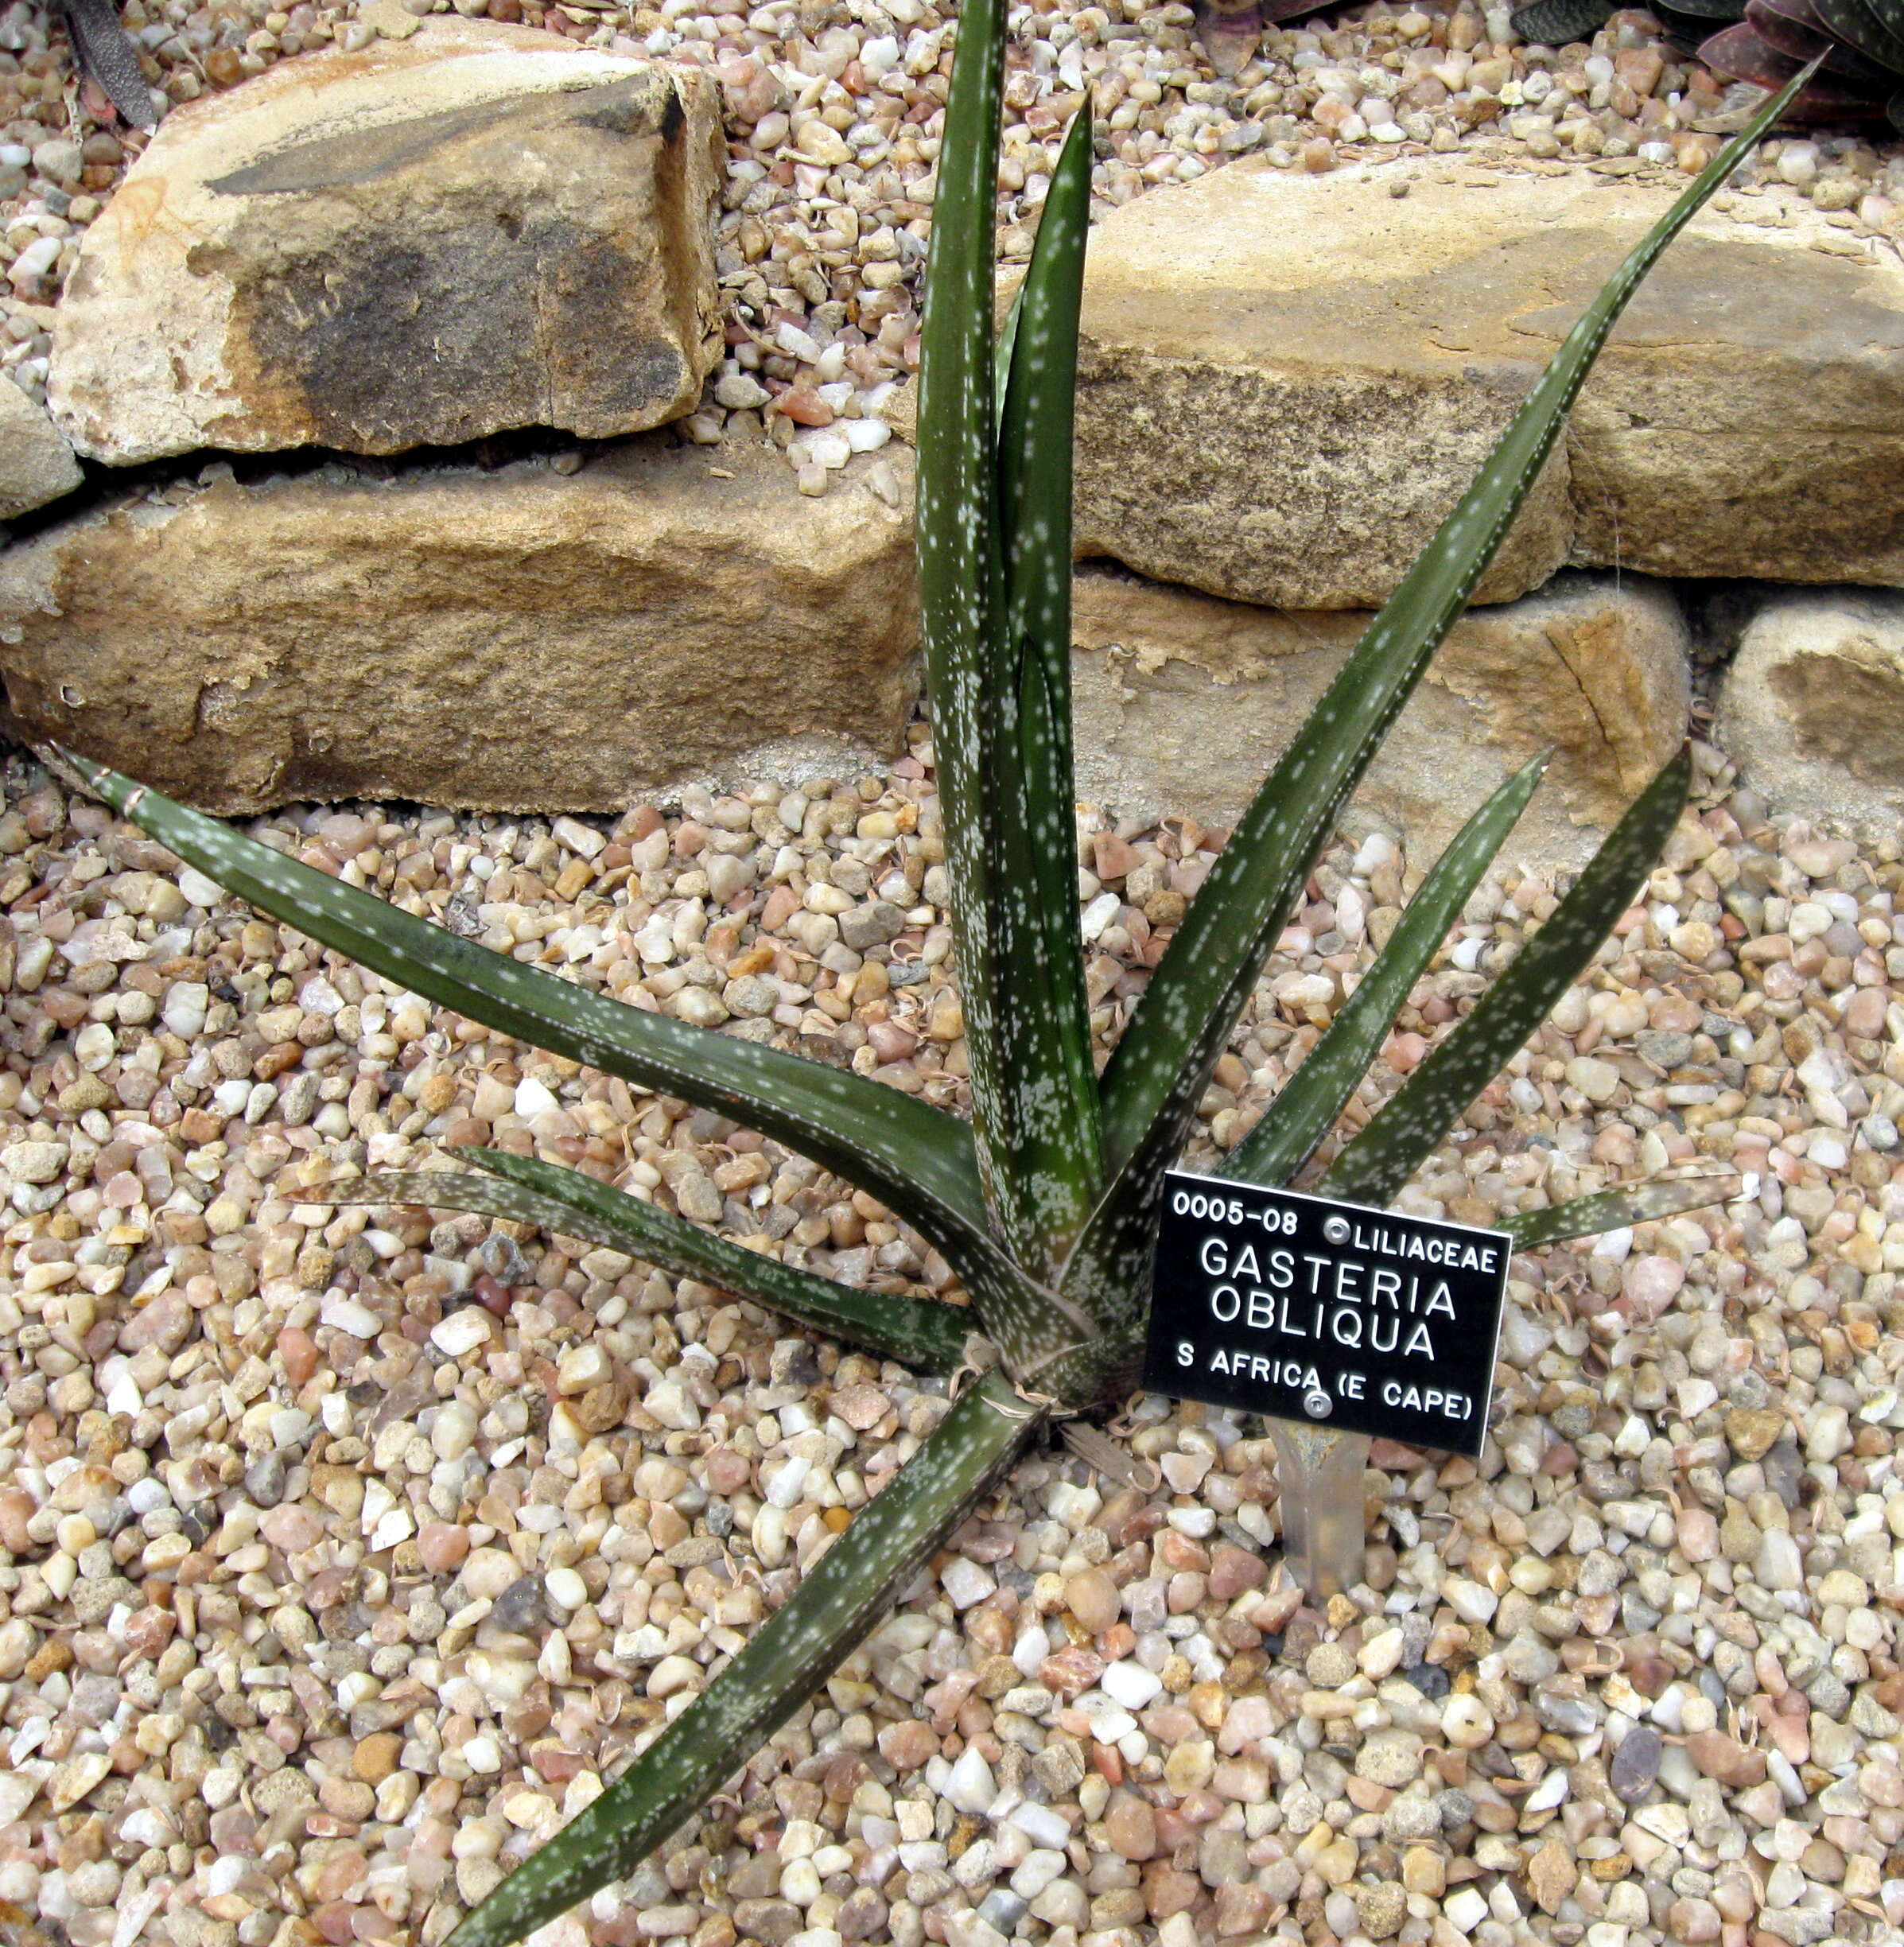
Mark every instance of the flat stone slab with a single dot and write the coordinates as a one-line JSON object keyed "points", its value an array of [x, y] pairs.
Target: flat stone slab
{"points": [[429, 241], [1812, 710], [1184, 702], [1287, 381], [37, 465], [518, 640]]}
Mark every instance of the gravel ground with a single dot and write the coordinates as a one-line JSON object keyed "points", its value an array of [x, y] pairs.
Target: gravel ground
{"points": [[345, 1554], [834, 111]]}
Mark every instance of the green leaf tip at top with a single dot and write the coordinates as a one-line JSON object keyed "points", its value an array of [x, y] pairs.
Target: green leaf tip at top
{"points": [[1329, 1075], [1159, 1070], [1404, 1131]]}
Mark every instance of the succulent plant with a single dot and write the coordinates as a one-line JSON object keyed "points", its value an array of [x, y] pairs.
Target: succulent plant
{"points": [[105, 52], [1858, 44], [1047, 1203]]}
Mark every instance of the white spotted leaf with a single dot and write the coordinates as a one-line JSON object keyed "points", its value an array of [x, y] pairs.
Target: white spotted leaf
{"points": [[1403, 1134], [1618, 1209], [994, 553], [1045, 1141], [838, 1601], [917, 1159], [1301, 1116], [918, 1331]]}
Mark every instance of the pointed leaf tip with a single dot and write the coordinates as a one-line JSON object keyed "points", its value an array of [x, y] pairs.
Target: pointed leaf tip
{"points": [[916, 1159], [1404, 1133], [1301, 1116]]}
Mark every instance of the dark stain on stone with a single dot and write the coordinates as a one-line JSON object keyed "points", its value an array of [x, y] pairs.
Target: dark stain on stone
{"points": [[369, 335], [626, 107], [615, 111], [382, 333]]}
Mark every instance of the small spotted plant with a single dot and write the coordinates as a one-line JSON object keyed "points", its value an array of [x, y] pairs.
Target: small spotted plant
{"points": [[1046, 1203]]}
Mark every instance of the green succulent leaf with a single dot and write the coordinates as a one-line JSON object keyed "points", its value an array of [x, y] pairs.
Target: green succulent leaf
{"points": [[961, 590], [917, 1159], [1616, 1209], [1309, 1102], [1046, 1143], [1160, 1068], [918, 1331], [1001, 352], [990, 530], [1403, 1132], [839, 1599]]}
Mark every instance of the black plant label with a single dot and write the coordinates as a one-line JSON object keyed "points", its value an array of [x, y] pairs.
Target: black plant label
{"points": [[1310, 1310]]}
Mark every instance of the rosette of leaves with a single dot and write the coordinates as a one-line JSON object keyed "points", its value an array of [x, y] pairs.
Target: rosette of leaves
{"points": [[1859, 46], [1046, 1201]]}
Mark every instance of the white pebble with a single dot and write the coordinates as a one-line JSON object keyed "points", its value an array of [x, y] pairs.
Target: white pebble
{"points": [[965, 1582], [970, 1787], [532, 1099], [1470, 1601], [461, 1332], [566, 1589], [348, 1316]]}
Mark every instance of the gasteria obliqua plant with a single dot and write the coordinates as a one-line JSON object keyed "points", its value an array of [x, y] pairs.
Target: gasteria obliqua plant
{"points": [[1046, 1203]]}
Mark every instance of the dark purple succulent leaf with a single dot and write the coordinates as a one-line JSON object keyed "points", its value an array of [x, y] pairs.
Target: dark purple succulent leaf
{"points": [[1875, 31], [1741, 54], [108, 56], [1700, 10], [1793, 28], [1554, 23]]}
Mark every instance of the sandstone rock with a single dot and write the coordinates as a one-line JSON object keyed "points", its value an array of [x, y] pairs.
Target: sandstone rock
{"points": [[516, 639], [1286, 380], [1813, 708], [37, 465], [423, 243], [1184, 702]]}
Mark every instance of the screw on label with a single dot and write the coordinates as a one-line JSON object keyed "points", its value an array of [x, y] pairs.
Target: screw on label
{"points": [[1317, 1405], [1337, 1229]]}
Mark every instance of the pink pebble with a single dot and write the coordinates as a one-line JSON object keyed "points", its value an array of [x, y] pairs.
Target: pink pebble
{"points": [[1404, 1052], [298, 1351], [1864, 1012], [442, 1545], [293, 1528], [1651, 1284]]}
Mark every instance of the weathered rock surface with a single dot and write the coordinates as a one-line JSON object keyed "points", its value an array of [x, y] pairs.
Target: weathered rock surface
{"points": [[37, 465], [1184, 702], [1286, 380], [517, 639], [1813, 708], [431, 240]]}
